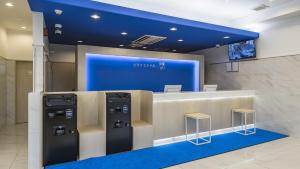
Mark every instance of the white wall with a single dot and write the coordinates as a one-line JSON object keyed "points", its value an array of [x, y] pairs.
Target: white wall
{"points": [[3, 99], [10, 92], [277, 38], [19, 45], [3, 41], [62, 53], [15, 44], [82, 50], [274, 75], [61, 72], [281, 38], [7, 92], [214, 55]]}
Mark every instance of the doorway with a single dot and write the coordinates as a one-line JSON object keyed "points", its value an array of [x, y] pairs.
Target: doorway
{"points": [[24, 86]]}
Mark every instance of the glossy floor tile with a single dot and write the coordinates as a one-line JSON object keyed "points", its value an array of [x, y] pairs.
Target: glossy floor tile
{"points": [[13, 147], [279, 154]]}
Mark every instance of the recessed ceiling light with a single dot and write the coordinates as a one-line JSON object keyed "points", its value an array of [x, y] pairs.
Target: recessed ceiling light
{"points": [[226, 37], [9, 4], [173, 29], [180, 40], [23, 27], [95, 16], [121, 45], [124, 33], [144, 47], [58, 11], [80, 41]]}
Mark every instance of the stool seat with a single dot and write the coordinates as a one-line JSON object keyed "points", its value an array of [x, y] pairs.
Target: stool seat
{"points": [[243, 110], [197, 116]]}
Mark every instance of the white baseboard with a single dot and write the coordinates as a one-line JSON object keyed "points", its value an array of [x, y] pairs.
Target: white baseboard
{"points": [[193, 136]]}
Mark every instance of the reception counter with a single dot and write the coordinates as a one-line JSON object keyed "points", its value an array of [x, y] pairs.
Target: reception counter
{"points": [[169, 109], [154, 116]]}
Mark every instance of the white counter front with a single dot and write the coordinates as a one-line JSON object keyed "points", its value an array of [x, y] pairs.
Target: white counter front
{"points": [[185, 96], [169, 109], [154, 116]]}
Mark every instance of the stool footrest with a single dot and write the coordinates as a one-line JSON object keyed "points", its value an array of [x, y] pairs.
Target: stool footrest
{"points": [[206, 141], [246, 132]]}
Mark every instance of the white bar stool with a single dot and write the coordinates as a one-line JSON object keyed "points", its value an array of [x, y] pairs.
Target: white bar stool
{"points": [[244, 113], [198, 117]]}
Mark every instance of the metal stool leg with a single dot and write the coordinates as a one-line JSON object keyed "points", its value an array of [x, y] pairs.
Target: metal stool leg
{"points": [[254, 121], [232, 120], [209, 129], [245, 124], [197, 130], [186, 133]]}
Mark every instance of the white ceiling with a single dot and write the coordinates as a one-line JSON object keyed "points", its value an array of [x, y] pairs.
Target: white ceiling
{"points": [[234, 13], [17, 16], [222, 12]]}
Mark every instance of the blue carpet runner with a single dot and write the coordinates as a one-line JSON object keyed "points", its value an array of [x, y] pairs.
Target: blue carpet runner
{"points": [[172, 154]]}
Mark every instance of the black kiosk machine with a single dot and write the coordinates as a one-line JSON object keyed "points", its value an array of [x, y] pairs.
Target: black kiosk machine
{"points": [[60, 135], [118, 122]]}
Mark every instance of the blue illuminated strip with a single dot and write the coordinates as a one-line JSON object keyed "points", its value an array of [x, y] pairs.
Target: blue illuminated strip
{"points": [[110, 72], [119, 57], [196, 76]]}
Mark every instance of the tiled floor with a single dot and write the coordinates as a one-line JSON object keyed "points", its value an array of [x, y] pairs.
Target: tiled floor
{"points": [[280, 154], [13, 147]]}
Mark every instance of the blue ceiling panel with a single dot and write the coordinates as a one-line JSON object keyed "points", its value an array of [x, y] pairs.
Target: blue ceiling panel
{"points": [[78, 25]]}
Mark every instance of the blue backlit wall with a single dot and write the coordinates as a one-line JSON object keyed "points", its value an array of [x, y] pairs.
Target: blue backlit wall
{"points": [[107, 72]]}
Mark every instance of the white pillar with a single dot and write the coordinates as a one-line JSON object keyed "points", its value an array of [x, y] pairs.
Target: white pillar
{"points": [[35, 125], [38, 51]]}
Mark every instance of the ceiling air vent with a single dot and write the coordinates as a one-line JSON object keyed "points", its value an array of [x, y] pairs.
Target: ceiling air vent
{"points": [[261, 7], [146, 40], [161, 49]]}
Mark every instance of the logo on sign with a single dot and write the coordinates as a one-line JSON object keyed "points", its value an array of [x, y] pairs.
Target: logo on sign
{"points": [[160, 65]]}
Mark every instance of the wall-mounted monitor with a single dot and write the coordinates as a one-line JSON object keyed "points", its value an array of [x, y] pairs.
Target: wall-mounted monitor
{"points": [[111, 72], [242, 50], [172, 88], [210, 88]]}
